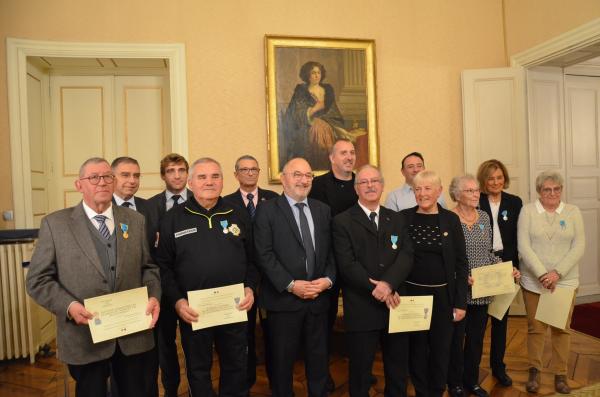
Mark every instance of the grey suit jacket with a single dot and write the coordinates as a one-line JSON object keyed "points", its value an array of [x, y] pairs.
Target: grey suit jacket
{"points": [[65, 267]]}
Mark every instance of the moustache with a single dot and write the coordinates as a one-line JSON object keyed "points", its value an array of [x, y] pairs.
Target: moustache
{"points": [[371, 190]]}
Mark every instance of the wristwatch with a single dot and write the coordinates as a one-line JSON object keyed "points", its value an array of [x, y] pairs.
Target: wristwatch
{"points": [[290, 286]]}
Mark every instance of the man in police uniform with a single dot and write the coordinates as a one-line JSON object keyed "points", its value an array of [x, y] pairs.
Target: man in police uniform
{"points": [[374, 256], [207, 243]]}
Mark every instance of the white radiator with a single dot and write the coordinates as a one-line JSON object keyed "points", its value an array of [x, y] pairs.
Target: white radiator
{"points": [[24, 326]]}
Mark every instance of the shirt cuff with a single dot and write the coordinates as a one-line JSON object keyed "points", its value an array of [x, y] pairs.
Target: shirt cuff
{"points": [[68, 308], [330, 282]]}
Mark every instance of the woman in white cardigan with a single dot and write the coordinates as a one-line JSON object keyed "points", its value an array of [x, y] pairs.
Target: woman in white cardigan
{"points": [[551, 242]]}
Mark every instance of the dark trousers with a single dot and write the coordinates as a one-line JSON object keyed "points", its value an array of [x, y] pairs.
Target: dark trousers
{"points": [[498, 344], [167, 348], [286, 330], [362, 347], [230, 342], [264, 324], [251, 342], [430, 350], [465, 359], [334, 294], [129, 373]]}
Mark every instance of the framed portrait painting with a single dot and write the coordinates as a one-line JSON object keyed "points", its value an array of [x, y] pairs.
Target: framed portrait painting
{"points": [[319, 90]]}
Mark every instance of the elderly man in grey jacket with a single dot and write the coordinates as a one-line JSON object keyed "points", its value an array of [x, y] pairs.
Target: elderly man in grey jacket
{"points": [[85, 251]]}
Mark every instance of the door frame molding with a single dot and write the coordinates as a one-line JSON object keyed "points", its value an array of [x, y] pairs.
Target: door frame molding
{"points": [[566, 43], [17, 51]]}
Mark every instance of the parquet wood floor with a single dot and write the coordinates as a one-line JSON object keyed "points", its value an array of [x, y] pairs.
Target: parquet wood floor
{"points": [[47, 376]]}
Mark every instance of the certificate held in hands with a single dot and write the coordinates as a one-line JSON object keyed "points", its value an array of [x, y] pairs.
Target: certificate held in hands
{"points": [[217, 306], [118, 314], [412, 314], [493, 280]]}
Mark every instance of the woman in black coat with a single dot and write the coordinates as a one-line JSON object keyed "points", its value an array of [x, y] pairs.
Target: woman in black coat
{"points": [[503, 210]]}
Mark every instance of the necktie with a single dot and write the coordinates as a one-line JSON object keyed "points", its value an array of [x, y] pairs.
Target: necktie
{"points": [[309, 249], [102, 228], [250, 207], [126, 204], [372, 216], [175, 199]]}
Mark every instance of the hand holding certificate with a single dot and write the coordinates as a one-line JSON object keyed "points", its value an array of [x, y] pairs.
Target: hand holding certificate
{"points": [[412, 314], [493, 280], [118, 314], [217, 306]]}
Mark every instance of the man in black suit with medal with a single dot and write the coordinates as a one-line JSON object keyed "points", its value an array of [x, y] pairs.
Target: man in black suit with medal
{"points": [[374, 256], [293, 250], [250, 196]]}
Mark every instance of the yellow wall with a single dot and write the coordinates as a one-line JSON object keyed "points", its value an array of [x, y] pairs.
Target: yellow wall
{"points": [[533, 22], [421, 47]]}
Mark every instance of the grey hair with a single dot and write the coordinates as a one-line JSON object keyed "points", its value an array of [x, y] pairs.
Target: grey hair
{"points": [[552, 175], [457, 183], [92, 160], [244, 157], [368, 167], [429, 176], [204, 160]]}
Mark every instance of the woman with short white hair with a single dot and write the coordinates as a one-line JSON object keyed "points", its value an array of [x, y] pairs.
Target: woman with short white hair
{"points": [[551, 243]]}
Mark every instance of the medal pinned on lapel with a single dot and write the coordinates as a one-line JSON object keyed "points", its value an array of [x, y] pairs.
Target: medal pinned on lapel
{"points": [[394, 240], [505, 215], [563, 224], [481, 227], [224, 225], [124, 229]]}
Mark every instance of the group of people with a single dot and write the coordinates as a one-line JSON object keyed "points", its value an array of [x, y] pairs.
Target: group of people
{"points": [[293, 253]]}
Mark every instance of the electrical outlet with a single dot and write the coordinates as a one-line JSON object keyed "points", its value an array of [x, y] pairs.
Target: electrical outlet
{"points": [[8, 215]]}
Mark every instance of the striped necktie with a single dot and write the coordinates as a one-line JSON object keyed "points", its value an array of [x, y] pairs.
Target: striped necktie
{"points": [[102, 228]]}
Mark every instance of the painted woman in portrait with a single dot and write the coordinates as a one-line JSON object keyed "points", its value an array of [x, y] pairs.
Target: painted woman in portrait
{"points": [[312, 120]]}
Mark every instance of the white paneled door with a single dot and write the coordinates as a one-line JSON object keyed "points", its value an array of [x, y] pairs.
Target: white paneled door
{"points": [[106, 116], [582, 168]]}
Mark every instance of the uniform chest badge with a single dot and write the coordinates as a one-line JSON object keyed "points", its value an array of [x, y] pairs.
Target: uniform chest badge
{"points": [[234, 229]]}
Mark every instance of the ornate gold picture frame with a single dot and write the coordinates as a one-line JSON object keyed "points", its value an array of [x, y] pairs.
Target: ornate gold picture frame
{"points": [[319, 90]]}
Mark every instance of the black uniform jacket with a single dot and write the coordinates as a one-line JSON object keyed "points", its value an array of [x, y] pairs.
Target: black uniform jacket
{"points": [[363, 252], [454, 253], [156, 208], [263, 195], [194, 252], [281, 258], [510, 205]]}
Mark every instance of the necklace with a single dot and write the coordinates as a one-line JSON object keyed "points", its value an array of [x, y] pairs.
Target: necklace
{"points": [[469, 221], [494, 200]]}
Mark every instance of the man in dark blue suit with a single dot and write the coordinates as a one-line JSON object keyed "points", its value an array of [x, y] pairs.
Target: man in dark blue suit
{"points": [[250, 197], [174, 171], [293, 248]]}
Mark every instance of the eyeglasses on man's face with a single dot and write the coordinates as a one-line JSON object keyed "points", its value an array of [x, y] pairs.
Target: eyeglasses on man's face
{"points": [[297, 175], [366, 182], [248, 171], [95, 179]]}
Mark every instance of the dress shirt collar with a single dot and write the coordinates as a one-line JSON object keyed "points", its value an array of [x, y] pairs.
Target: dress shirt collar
{"points": [[245, 196], [540, 208], [368, 211], [294, 202], [91, 213], [406, 189], [183, 195], [119, 201]]}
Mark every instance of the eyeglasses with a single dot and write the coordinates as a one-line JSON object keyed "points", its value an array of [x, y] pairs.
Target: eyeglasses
{"points": [[298, 175], [366, 182], [95, 179], [471, 191], [249, 171], [550, 190]]}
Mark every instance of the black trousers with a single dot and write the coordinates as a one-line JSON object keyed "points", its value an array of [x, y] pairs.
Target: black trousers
{"points": [[129, 374], [362, 347], [430, 350], [498, 344], [286, 331], [465, 359], [166, 328], [334, 295], [230, 342], [251, 342]]}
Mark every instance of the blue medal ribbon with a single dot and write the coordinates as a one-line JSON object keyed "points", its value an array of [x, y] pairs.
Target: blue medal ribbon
{"points": [[224, 225], [394, 240]]}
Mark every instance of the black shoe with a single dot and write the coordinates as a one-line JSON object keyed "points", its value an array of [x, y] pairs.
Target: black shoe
{"points": [[456, 391], [373, 380], [478, 391], [330, 385], [503, 378]]}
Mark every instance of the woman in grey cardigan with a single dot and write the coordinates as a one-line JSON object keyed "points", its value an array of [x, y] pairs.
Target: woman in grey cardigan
{"points": [[551, 242]]}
